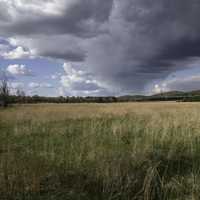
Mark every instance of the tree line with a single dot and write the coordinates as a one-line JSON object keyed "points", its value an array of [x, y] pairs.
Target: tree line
{"points": [[7, 98]]}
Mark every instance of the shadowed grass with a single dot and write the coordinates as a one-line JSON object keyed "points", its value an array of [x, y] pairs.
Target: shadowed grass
{"points": [[142, 154]]}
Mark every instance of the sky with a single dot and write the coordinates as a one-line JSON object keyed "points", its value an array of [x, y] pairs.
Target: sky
{"points": [[100, 47]]}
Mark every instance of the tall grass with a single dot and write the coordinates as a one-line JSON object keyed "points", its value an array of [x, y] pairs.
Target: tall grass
{"points": [[91, 151]]}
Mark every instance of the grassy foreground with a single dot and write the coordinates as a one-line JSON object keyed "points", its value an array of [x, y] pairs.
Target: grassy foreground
{"points": [[130, 151]]}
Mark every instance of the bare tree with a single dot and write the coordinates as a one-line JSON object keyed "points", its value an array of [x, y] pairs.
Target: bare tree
{"points": [[4, 91], [20, 93]]}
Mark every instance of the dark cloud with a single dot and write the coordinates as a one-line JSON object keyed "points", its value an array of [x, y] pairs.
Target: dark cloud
{"points": [[56, 47], [147, 39], [81, 18], [4, 15], [181, 49], [73, 56], [125, 44]]}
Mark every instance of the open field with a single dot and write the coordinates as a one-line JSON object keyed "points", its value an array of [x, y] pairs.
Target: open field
{"points": [[127, 151]]}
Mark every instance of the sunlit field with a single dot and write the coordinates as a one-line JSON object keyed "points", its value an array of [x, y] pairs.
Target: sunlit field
{"points": [[127, 151]]}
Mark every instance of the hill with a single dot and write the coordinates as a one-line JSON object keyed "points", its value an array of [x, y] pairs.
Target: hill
{"points": [[181, 96], [170, 94]]}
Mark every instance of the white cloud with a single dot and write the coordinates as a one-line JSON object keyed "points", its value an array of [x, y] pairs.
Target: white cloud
{"points": [[71, 75], [3, 48], [14, 86], [44, 46], [18, 53], [17, 7], [46, 85], [19, 70], [78, 82], [54, 77], [61, 91], [13, 49], [13, 41], [159, 88], [34, 85]]}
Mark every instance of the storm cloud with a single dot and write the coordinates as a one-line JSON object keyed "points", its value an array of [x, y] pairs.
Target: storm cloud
{"points": [[76, 17], [125, 45]]}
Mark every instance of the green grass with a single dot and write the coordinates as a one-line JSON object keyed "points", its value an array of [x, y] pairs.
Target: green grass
{"points": [[141, 154]]}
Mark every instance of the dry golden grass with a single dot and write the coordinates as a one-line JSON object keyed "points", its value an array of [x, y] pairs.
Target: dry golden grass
{"points": [[74, 111], [122, 151]]}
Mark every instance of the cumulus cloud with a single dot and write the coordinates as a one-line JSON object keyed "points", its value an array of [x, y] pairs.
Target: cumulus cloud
{"points": [[160, 88], [77, 80], [9, 49], [52, 46], [34, 85], [19, 70], [79, 83], [17, 53]]}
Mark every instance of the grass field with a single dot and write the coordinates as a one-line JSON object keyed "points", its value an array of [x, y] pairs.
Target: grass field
{"points": [[128, 151]]}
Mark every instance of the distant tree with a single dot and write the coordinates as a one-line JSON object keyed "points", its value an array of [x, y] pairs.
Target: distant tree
{"points": [[20, 93], [20, 96], [4, 90]]}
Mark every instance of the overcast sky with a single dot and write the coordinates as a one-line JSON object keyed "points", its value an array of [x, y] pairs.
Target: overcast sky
{"points": [[100, 47]]}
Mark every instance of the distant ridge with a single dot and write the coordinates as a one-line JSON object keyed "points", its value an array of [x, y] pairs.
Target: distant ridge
{"points": [[165, 96], [179, 96], [171, 93], [179, 93]]}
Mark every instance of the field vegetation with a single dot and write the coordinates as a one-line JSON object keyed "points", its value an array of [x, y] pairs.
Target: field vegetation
{"points": [[122, 151]]}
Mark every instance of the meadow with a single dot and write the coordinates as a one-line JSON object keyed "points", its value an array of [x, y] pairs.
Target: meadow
{"points": [[122, 151]]}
